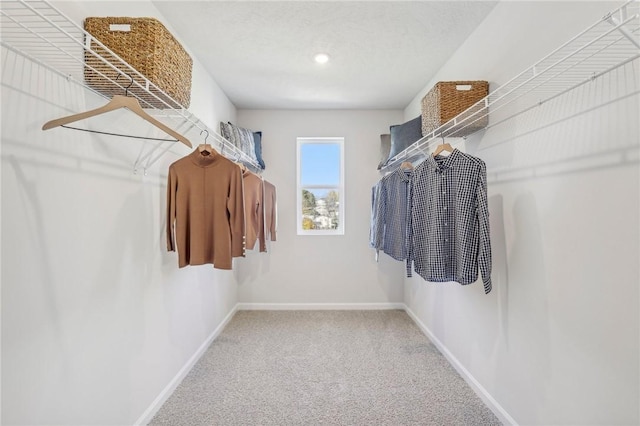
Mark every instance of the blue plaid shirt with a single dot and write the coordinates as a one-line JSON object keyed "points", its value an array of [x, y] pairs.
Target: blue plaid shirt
{"points": [[450, 220], [374, 215], [392, 214]]}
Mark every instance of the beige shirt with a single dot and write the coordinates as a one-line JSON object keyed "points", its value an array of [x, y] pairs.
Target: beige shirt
{"points": [[270, 211], [254, 210], [205, 210]]}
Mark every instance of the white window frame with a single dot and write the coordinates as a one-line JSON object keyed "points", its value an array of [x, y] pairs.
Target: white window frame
{"points": [[340, 187]]}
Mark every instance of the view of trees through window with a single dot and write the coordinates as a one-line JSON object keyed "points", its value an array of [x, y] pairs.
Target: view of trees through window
{"points": [[320, 186], [320, 212]]}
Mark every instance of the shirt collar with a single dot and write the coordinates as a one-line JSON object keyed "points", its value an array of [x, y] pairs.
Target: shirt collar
{"points": [[448, 162], [204, 160], [403, 175]]}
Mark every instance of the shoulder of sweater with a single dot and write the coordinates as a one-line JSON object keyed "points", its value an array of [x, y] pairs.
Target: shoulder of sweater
{"points": [[252, 176]]}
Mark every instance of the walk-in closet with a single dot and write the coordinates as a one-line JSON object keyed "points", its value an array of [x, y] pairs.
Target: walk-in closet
{"points": [[320, 212]]}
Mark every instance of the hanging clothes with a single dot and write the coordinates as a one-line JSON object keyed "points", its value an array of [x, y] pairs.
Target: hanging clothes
{"points": [[375, 189], [450, 220], [205, 212], [392, 213], [270, 211], [254, 210]]}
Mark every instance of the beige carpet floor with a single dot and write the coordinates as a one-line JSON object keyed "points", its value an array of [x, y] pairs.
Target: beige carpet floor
{"points": [[323, 368]]}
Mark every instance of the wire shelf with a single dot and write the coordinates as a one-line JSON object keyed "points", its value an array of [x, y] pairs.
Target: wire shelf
{"points": [[38, 31], [611, 42]]}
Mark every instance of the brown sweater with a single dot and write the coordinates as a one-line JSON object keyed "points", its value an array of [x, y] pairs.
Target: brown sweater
{"points": [[254, 210], [205, 210], [270, 211]]}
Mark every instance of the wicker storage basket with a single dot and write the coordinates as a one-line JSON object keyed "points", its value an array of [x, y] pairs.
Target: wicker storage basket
{"points": [[146, 45], [450, 98]]}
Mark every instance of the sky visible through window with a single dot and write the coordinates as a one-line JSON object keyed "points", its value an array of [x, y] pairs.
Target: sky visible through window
{"points": [[320, 165], [320, 186]]}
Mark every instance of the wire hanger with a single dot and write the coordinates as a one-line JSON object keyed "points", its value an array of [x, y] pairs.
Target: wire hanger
{"points": [[243, 167], [205, 148], [444, 146], [117, 102]]}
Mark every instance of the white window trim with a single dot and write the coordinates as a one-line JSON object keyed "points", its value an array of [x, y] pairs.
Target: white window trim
{"points": [[340, 187]]}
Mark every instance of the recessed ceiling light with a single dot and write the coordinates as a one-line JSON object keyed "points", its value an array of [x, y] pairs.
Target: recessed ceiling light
{"points": [[321, 58]]}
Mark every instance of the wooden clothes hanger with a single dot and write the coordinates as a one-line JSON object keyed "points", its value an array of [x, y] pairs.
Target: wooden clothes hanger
{"points": [[406, 165], [117, 102], [444, 146]]}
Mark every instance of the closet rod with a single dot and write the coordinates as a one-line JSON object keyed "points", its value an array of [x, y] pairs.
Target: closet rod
{"points": [[565, 91], [88, 39], [40, 32], [547, 83], [424, 145], [601, 48], [49, 41], [612, 19]]}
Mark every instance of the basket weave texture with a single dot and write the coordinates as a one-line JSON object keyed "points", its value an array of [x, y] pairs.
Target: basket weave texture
{"points": [[150, 49], [448, 99]]}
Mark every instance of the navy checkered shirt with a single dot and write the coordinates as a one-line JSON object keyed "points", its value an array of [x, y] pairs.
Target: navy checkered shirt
{"points": [[393, 213], [374, 215], [450, 220]]}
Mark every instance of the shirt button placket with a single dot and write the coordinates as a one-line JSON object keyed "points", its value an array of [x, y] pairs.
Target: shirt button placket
{"points": [[443, 215], [446, 227]]}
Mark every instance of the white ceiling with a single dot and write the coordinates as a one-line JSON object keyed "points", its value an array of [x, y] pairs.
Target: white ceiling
{"points": [[382, 52]]}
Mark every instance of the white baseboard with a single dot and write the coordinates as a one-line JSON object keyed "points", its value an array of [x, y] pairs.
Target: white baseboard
{"points": [[317, 306], [146, 417], [485, 396]]}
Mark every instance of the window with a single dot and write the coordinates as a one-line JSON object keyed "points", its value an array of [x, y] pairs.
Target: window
{"points": [[320, 186]]}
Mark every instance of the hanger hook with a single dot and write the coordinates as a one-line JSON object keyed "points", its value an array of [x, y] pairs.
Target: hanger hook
{"points": [[442, 136], [126, 89], [205, 138]]}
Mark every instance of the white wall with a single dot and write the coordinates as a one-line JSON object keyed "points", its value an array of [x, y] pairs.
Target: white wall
{"points": [[321, 269], [97, 319], [556, 341]]}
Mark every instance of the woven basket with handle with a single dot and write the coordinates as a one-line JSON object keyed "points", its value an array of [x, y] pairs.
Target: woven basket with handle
{"points": [[146, 45], [448, 99]]}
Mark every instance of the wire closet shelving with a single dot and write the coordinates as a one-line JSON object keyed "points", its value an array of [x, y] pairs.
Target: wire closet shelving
{"points": [[40, 32], [610, 43]]}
